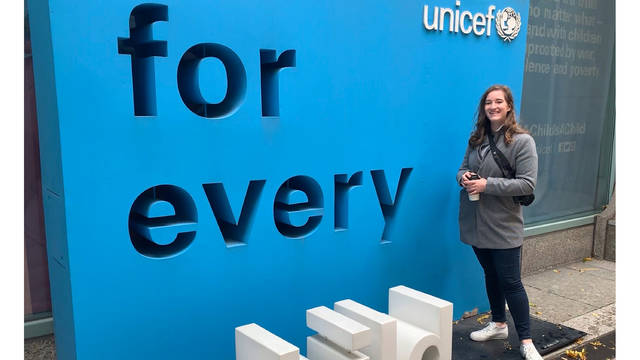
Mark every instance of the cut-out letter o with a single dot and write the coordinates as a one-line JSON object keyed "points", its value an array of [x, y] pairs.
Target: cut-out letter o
{"points": [[189, 87]]}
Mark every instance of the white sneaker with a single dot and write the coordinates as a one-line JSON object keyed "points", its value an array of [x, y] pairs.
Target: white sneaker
{"points": [[529, 352], [490, 332]]}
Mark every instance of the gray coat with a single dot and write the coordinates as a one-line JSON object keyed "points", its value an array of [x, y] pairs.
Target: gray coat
{"points": [[495, 221]]}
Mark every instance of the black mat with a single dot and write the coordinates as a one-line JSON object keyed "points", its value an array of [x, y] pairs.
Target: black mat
{"points": [[602, 348], [547, 337]]}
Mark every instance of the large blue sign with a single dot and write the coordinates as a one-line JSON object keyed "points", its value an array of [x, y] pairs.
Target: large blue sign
{"points": [[211, 164]]}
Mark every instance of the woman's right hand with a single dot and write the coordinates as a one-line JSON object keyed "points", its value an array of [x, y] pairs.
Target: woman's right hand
{"points": [[465, 178]]}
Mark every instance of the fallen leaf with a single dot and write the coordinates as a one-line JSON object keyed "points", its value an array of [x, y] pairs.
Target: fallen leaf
{"points": [[482, 318], [581, 355], [538, 313], [587, 259], [556, 270], [468, 314], [532, 305]]}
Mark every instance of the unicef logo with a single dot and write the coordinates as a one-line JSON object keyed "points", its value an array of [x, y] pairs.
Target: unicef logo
{"points": [[467, 22], [508, 23]]}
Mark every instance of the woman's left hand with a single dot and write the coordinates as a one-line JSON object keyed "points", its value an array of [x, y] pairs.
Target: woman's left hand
{"points": [[476, 186]]}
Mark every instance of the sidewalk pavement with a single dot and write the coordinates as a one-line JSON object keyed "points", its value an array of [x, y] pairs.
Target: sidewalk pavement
{"points": [[579, 295]]}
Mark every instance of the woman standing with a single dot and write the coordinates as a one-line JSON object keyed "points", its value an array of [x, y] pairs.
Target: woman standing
{"points": [[490, 220]]}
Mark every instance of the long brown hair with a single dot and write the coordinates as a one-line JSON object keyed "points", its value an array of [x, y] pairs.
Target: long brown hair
{"points": [[510, 127]]}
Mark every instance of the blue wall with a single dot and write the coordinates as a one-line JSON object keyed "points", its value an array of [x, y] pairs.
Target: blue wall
{"points": [[371, 91]]}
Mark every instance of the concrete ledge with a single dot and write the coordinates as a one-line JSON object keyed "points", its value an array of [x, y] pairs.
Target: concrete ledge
{"points": [[40, 348], [610, 242], [556, 248], [600, 231]]}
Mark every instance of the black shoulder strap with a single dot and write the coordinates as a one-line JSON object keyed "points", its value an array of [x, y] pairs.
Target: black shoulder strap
{"points": [[499, 157]]}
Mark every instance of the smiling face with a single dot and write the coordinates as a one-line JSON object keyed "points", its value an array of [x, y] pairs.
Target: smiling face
{"points": [[496, 108]]}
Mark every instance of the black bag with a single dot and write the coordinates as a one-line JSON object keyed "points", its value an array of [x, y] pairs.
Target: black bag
{"points": [[503, 163]]}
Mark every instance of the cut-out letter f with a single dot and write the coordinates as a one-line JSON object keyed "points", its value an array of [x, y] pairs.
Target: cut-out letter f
{"points": [[142, 48]]}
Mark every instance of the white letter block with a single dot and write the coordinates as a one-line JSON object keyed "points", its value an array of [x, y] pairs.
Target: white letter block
{"points": [[319, 348], [414, 342], [383, 329], [255, 343], [424, 312], [344, 332]]}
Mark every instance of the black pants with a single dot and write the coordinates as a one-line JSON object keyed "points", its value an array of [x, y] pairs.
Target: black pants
{"points": [[502, 279]]}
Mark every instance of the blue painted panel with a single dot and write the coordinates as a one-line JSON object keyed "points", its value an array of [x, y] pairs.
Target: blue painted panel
{"points": [[368, 90]]}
